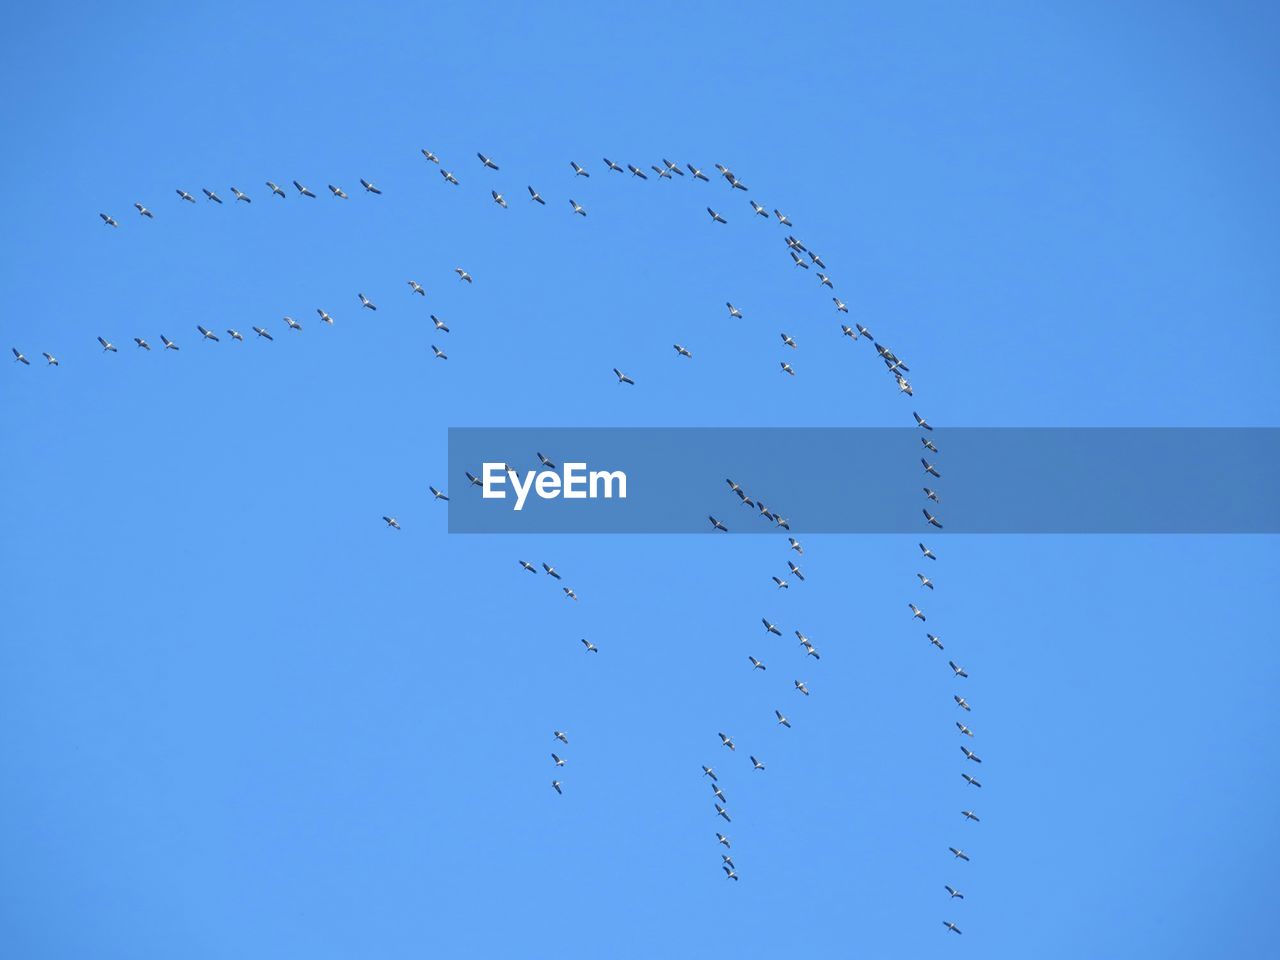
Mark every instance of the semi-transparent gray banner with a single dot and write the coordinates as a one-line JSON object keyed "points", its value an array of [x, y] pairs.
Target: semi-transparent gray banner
{"points": [[863, 480]]}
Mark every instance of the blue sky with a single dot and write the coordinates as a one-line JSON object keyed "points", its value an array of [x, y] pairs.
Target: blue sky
{"points": [[242, 718]]}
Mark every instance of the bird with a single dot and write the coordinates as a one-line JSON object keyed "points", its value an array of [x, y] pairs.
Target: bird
{"points": [[611, 165], [449, 177], [673, 167], [545, 461], [782, 584], [637, 172], [499, 199], [262, 333], [904, 386], [717, 524], [811, 651], [486, 161], [525, 564], [721, 838], [963, 729], [970, 780], [392, 522], [864, 331], [144, 211], [462, 274], [790, 342], [734, 311], [788, 369], [622, 377], [142, 344], [438, 494], [934, 640], [759, 209], [957, 669], [430, 156], [930, 469], [925, 581], [795, 571], [324, 317], [823, 279], [577, 207], [439, 354], [920, 421], [559, 761], [591, 647], [951, 926], [719, 794], [241, 195], [756, 664], [818, 260], [206, 334], [959, 854], [534, 195], [561, 736], [970, 815], [662, 172], [293, 324], [19, 358], [931, 494], [927, 552], [840, 305], [729, 872], [338, 192], [551, 571], [756, 764], [770, 628], [209, 194], [955, 894], [682, 351], [108, 220], [696, 173], [50, 359], [556, 784], [568, 592], [366, 302], [183, 195], [802, 687], [476, 482], [708, 772], [782, 720], [369, 187], [961, 702], [928, 444], [795, 545], [727, 859], [274, 189], [916, 612], [578, 170], [933, 521], [107, 345], [716, 217], [799, 260], [969, 754], [303, 190], [727, 741], [723, 813], [782, 218]]}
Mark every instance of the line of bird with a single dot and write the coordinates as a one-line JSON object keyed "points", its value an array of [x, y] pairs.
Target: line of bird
{"points": [[802, 257]]}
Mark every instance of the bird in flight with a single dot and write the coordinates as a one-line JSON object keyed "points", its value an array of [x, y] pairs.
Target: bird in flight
{"points": [[716, 217], [611, 165], [925, 581], [293, 324], [108, 220], [782, 720], [241, 195], [795, 571], [369, 187], [430, 156], [789, 341], [209, 194], [449, 177], [795, 545], [759, 209], [783, 218], [963, 729], [19, 358], [556, 784], [734, 311], [438, 494], [728, 742], [933, 521], [499, 199], [525, 564], [637, 172], [561, 736], [927, 552], [788, 369], [848, 331], [969, 754], [756, 664], [970, 815], [50, 359], [916, 612], [770, 628], [324, 317], [696, 173], [551, 571], [462, 274], [951, 926], [568, 592], [622, 377], [338, 192], [717, 524], [930, 469], [392, 522], [262, 333], [756, 764], [721, 812], [681, 350], [961, 702], [578, 170], [591, 647], [662, 172], [971, 780], [486, 161], [366, 302], [708, 772], [957, 669], [183, 195], [840, 305], [721, 838], [303, 190], [534, 195], [108, 346], [144, 211], [802, 687], [558, 760], [274, 189], [959, 854], [728, 871], [921, 421], [577, 207], [206, 334]]}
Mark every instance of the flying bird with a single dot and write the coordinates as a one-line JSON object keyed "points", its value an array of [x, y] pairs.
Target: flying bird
{"points": [[795, 545], [782, 218], [708, 772], [802, 687], [611, 165], [931, 494], [366, 302], [437, 494], [293, 324], [274, 189], [324, 317], [721, 811], [916, 612], [673, 167], [142, 343], [925, 581], [716, 217], [721, 838], [840, 305], [577, 207], [183, 195], [211, 195], [958, 670], [208, 335], [369, 187], [970, 780], [927, 552], [955, 894], [303, 190], [19, 358], [50, 359], [561, 736], [591, 647], [534, 195], [568, 592], [556, 784], [782, 720], [462, 274], [728, 871], [933, 521], [109, 346], [262, 333], [637, 172], [681, 350], [959, 854], [759, 209], [108, 220], [756, 664], [961, 702], [970, 815], [789, 341], [430, 156], [662, 172], [930, 469], [486, 161], [144, 211], [951, 926], [241, 196], [963, 729], [525, 564], [622, 377], [823, 279], [696, 173], [770, 628], [756, 764], [788, 369], [782, 584], [338, 192], [717, 524], [921, 421], [969, 754], [795, 571], [727, 741], [449, 177], [551, 571], [578, 170], [392, 522], [499, 199], [734, 311], [799, 260], [559, 762], [928, 444]]}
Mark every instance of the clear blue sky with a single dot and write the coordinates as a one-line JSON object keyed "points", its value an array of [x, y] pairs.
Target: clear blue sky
{"points": [[240, 718]]}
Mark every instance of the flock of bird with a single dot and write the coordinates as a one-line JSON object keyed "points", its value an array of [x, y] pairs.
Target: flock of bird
{"points": [[801, 257]]}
